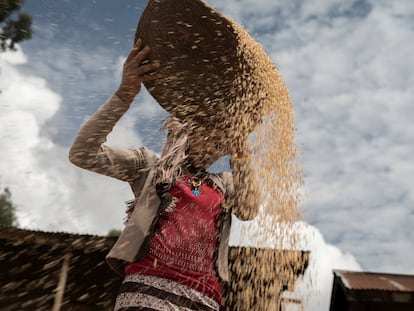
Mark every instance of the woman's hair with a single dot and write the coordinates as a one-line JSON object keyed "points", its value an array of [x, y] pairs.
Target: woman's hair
{"points": [[173, 156], [173, 152]]}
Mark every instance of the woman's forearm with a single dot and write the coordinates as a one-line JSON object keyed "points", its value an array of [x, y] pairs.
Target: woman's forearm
{"points": [[94, 132]]}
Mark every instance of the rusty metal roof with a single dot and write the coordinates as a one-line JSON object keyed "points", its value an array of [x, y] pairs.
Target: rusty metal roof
{"points": [[376, 281], [355, 291]]}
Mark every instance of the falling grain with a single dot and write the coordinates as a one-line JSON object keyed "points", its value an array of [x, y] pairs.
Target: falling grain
{"points": [[229, 88], [260, 277]]}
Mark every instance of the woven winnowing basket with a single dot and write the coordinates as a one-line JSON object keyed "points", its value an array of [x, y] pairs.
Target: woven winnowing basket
{"points": [[214, 75]]}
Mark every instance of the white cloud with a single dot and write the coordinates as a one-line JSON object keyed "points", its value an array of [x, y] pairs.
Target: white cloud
{"points": [[315, 287], [50, 193]]}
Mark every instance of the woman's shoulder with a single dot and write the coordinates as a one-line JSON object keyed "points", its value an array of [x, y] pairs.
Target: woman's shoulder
{"points": [[146, 156], [224, 181]]}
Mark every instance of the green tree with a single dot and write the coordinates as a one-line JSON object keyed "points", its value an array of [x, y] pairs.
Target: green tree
{"points": [[14, 26], [114, 233], [7, 209]]}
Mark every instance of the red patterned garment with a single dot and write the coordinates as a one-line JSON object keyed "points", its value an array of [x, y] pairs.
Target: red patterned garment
{"points": [[182, 248]]}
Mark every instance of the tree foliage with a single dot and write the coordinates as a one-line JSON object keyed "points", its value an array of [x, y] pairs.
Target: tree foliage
{"points": [[14, 26], [114, 233], [7, 209]]}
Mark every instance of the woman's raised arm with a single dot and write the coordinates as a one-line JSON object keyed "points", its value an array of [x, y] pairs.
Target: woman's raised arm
{"points": [[88, 150]]}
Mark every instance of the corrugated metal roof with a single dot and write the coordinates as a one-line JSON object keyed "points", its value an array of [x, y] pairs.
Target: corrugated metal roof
{"points": [[376, 281]]}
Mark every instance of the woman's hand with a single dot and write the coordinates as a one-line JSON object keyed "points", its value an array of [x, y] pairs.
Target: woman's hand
{"points": [[136, 71]]}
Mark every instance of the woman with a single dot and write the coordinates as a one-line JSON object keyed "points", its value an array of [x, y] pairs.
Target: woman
{"points": [[173, 249]]}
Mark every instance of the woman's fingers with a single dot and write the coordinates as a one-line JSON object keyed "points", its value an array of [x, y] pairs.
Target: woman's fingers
{"points": [[134, 51], [138, 58], [138, 44], [148, 72], [137, 68], [139, 55], [143, 54], [144, 69], [151, 76]]}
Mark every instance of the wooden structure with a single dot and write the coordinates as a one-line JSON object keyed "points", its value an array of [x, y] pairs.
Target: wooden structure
{"points": [[360, 291], [67, 272], [55, 271]]}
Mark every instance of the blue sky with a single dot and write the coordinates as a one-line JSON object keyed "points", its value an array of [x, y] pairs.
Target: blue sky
{"points": [[349, 69]]}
